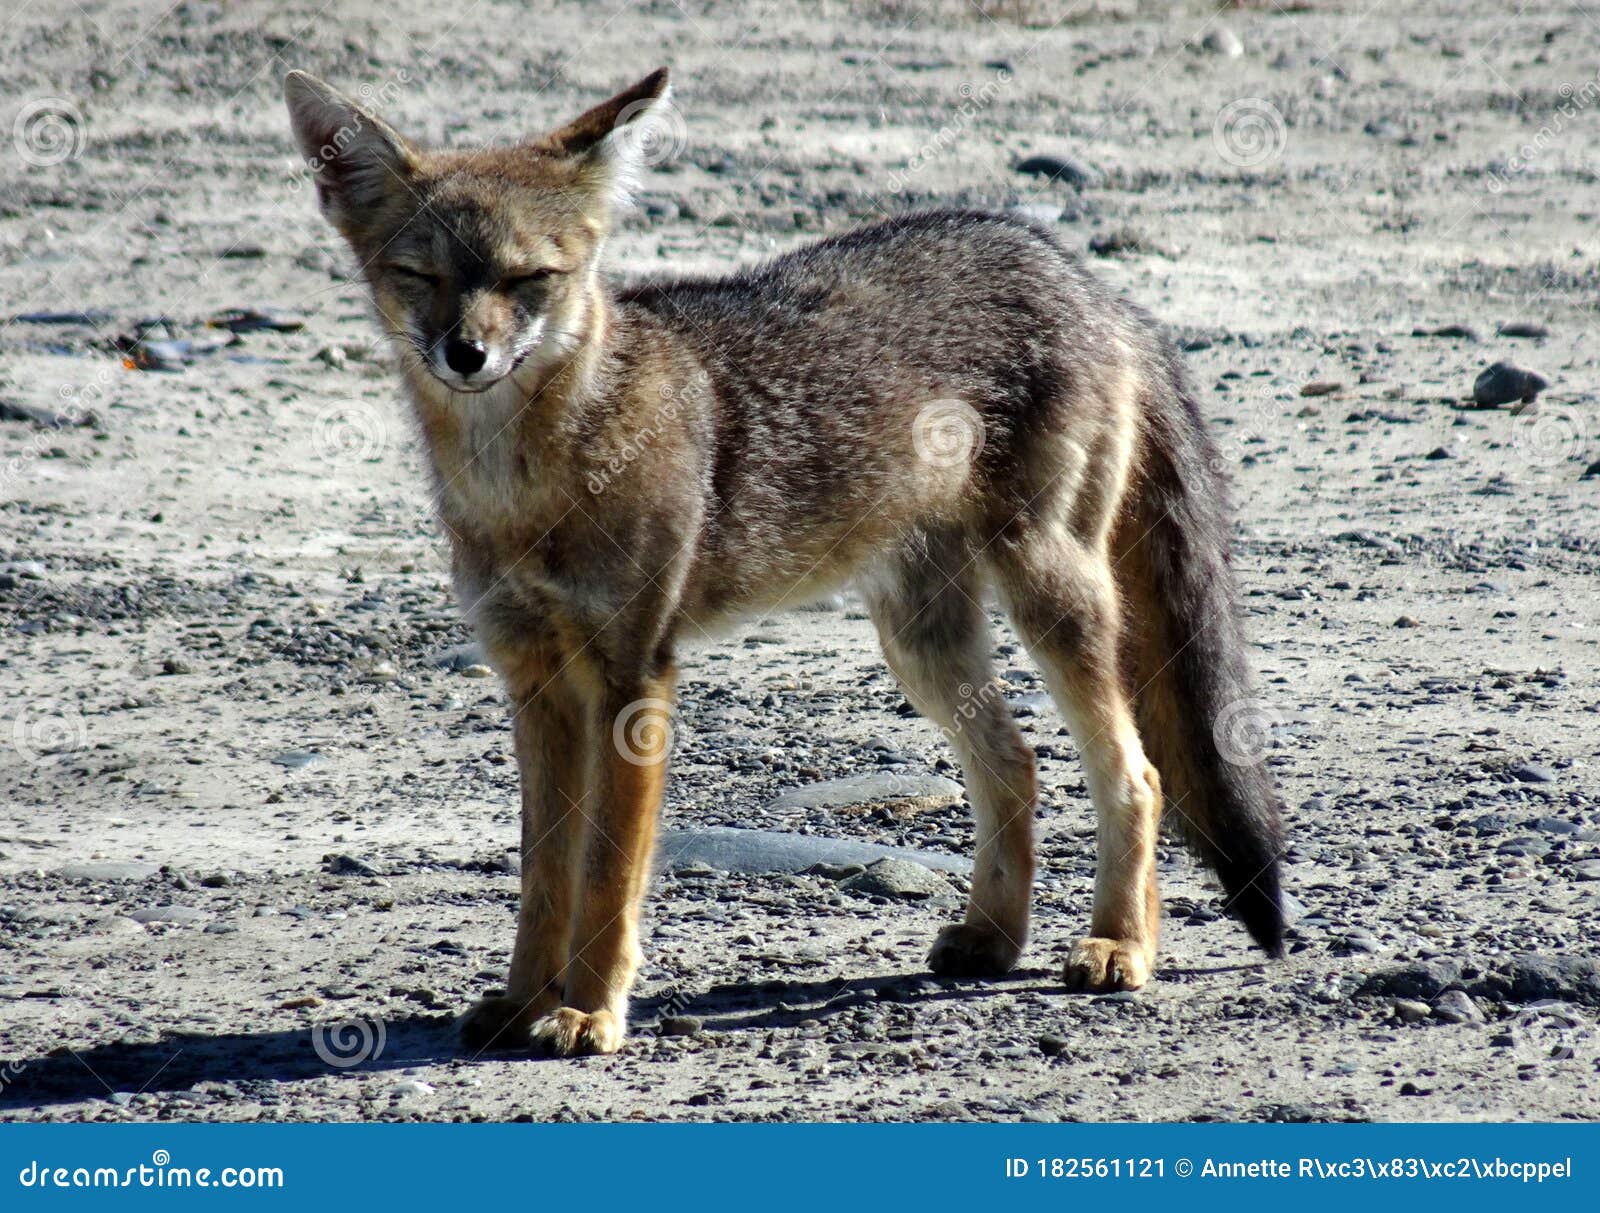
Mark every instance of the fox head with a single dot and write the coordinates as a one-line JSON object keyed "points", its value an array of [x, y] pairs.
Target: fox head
{"points": [[479, 262]]}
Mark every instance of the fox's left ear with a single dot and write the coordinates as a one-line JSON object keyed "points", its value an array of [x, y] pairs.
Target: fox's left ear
{"points": [[619, 137], [357, 158]]}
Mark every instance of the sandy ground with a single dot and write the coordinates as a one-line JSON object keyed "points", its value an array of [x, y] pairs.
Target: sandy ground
{"points": [[256, 832]]}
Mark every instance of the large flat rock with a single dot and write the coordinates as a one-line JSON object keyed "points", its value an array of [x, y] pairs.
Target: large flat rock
{"points": [[774, 851], [903, 792]]}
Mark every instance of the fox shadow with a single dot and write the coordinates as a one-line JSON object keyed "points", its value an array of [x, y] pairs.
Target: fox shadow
{"points": [[253, 1062]]}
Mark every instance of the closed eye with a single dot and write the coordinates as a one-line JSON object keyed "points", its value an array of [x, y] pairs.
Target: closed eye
{"points": [[416, 275], [512, 281]]}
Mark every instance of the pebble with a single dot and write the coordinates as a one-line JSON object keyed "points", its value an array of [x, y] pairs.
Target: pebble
{"points": [[1422, 979], [680, 1025], [108, 870], [1503, 383], [1440, 452], [411, 1088], [459, 657], [1521, 329], [1222, 41], [1059, 168], [1321, 387], [1532, 772], [1411, 1010], [181, 915], [906, 792], [901, 879], [347, 865], [295, 760], [1453, 1006]]}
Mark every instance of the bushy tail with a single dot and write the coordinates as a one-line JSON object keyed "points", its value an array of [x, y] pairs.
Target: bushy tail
{"points": [[1184, 653]]}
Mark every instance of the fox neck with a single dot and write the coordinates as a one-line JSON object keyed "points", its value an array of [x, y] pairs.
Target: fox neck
{"points": [[500, 457]]}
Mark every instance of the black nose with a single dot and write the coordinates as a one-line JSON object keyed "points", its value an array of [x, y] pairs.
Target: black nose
{"points": [[465, 357]]}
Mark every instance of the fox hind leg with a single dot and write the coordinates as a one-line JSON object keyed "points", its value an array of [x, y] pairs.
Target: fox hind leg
{"points": [[1063, 600], [935, 638]]}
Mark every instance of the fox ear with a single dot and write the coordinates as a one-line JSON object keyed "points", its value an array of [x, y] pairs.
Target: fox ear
{"points": [[354, 156], [619, 137]]}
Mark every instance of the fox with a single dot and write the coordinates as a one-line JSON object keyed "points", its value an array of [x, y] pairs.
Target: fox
{"points": [[932, 408]]}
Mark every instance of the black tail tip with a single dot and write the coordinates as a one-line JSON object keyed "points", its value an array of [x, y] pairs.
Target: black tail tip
{"points": [[1259, 906]]}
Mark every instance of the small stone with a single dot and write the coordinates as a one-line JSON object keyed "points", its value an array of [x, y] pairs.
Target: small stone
{"points": [[1417, 980], [1532, 772], [1460, 331], [680, 1025], [1052, 1046], [347, 865], [108, 870], [1523, 329], [477, 671], [900, 879], [295, 760], [1440, 452], [1406, 621], [179, 915], [1060, 168], [458, 657], [1222, 41], [1320, 387], [1411, 1010], [1453, 1006], [907, 792], [300, 1004], [1503, 383], [411, 1088]]}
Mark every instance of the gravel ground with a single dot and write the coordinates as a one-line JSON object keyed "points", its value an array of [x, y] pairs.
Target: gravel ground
{"points": [[257, 832]]}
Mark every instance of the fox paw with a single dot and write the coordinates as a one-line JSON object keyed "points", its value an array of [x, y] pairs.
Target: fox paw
{"points": [[964, 950], [497, 1025], [566, 1032], [1098, 965]]}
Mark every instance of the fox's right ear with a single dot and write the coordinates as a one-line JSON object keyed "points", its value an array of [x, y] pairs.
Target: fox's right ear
{"points": [[617, 138], [355, 158]]}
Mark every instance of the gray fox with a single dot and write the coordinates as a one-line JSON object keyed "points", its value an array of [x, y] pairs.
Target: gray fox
{"points": [[921, 407]]}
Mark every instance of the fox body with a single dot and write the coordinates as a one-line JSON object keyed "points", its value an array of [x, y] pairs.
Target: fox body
{"points": [[923, 407]]}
